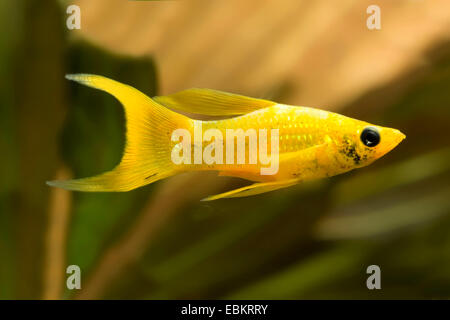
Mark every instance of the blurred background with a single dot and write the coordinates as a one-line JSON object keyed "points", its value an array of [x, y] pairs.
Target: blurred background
{"points": [[314, 240]]}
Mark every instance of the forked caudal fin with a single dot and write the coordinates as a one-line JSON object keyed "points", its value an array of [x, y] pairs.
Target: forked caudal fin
{"points": [[146, 156]]}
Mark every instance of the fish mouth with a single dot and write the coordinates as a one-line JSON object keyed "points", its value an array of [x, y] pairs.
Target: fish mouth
{"points": [[398, 137], [394, 137]]}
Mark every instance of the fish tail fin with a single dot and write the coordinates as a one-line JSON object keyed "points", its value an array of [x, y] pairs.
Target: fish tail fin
{"points": [[149, 127]]}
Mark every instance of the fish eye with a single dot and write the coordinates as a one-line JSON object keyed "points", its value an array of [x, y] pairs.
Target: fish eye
{"points": [[370, 137]]}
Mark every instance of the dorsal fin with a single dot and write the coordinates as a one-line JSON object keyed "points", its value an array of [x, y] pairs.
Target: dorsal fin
{"points": [[212, 102]]}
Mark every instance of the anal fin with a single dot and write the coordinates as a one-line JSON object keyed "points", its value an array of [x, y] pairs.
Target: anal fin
{"points": [[253, 189]]}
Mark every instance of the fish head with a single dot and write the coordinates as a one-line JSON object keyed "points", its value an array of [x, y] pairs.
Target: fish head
{"points": [[360, 143]]}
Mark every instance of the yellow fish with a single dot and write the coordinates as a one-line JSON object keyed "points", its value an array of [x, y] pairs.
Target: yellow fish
{"points": [[304, 143]]}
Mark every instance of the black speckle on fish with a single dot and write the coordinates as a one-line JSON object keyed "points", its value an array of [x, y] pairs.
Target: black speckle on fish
{"points": [[350, 151]]}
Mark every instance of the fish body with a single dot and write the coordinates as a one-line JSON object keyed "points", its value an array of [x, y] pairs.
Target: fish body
{"points": [[308, 143]]}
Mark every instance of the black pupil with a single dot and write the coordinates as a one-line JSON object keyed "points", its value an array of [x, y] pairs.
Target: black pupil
{"points": [[370, 137]]}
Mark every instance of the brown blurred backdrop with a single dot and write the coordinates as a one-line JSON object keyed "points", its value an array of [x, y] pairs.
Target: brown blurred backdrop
{"points": [[311, 241]]}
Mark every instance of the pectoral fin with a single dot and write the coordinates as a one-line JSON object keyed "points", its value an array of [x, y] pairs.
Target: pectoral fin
{"points": [[212, 102], [253, 189]]}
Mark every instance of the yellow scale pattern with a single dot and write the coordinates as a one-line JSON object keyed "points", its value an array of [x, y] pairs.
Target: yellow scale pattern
{"points": [[298, 128]]}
